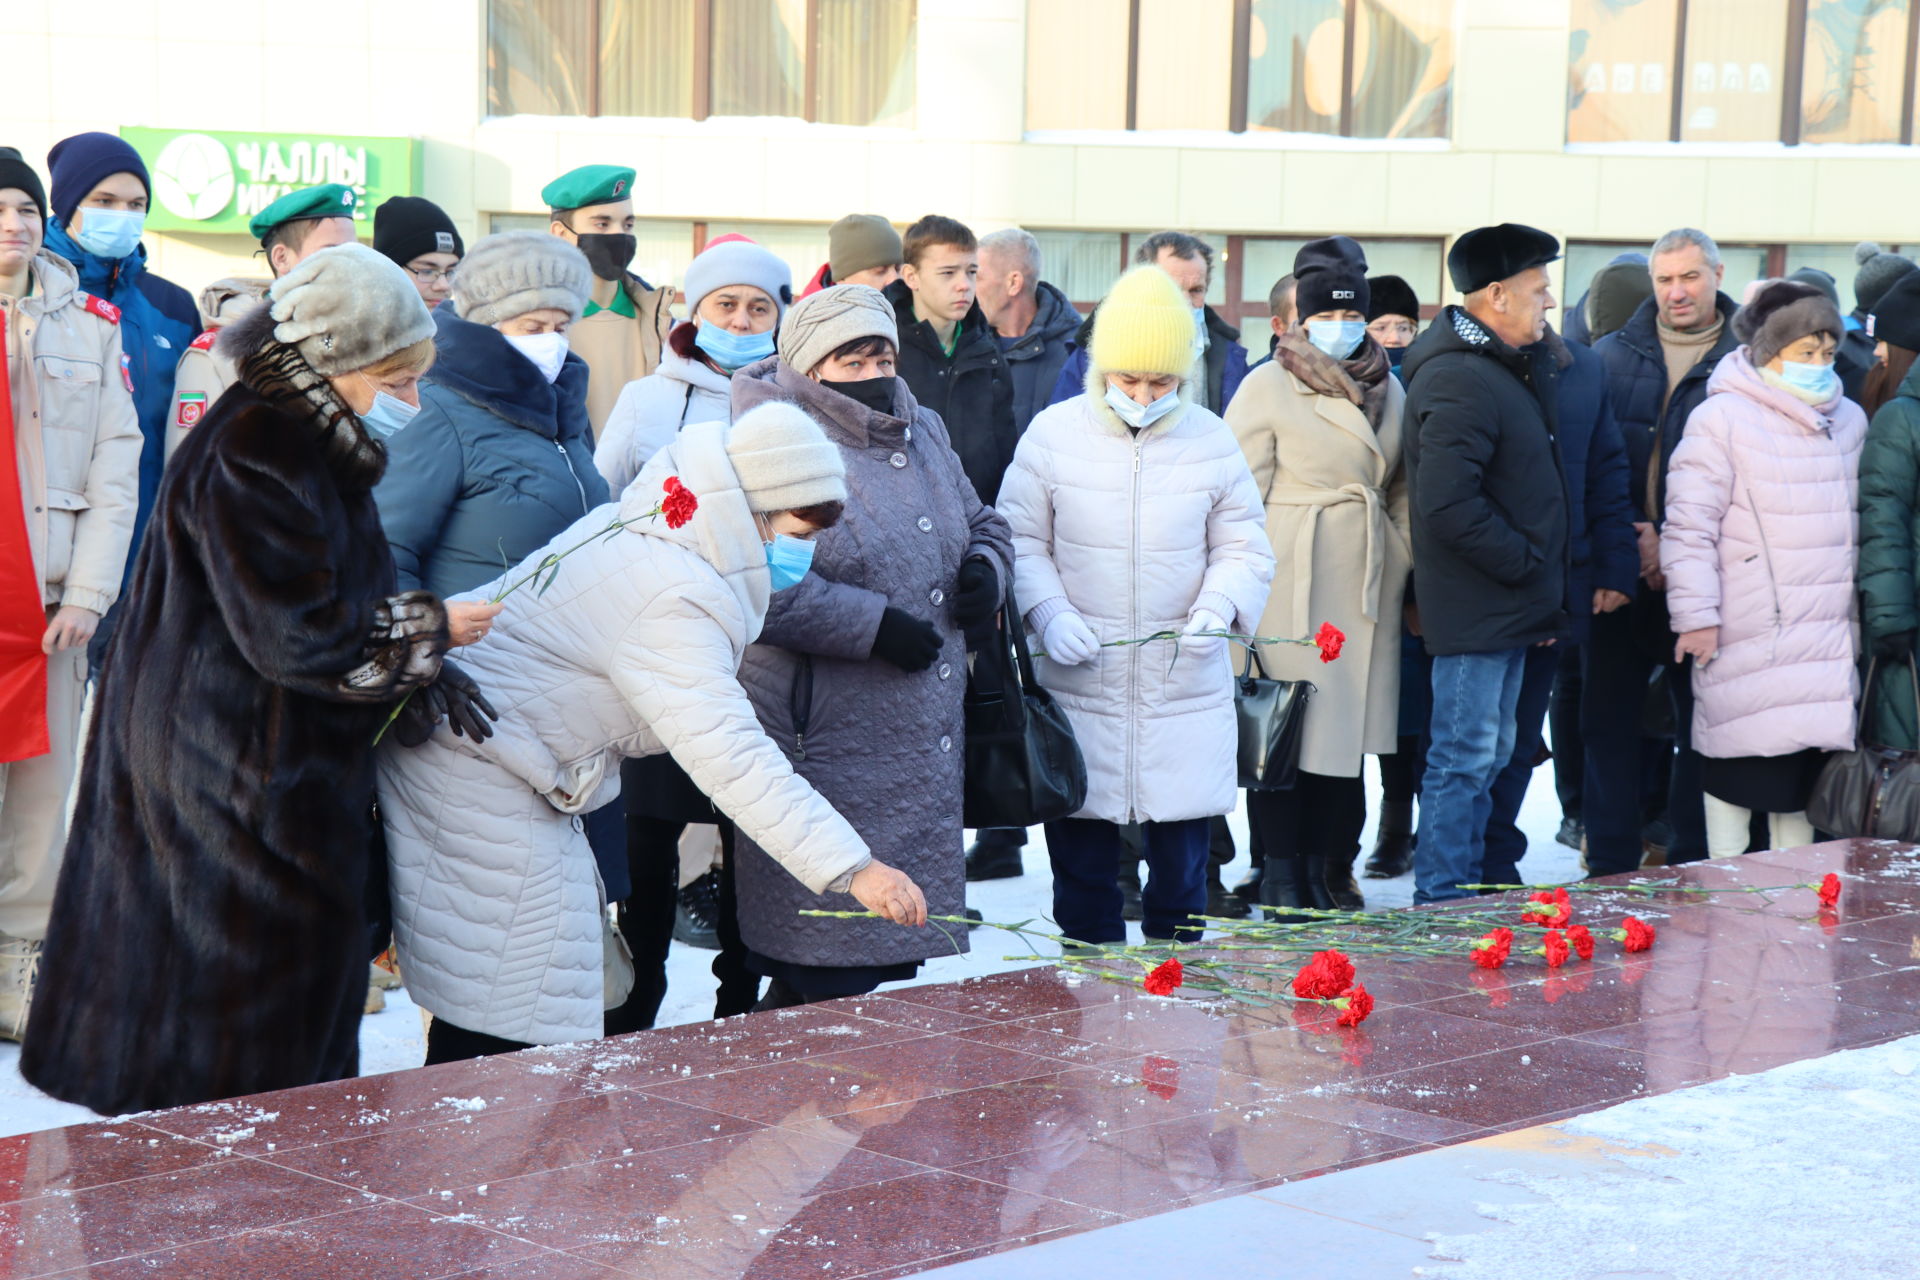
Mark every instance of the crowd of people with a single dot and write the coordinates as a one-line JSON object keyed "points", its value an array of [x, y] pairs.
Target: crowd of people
{"points": [[714, 575]]}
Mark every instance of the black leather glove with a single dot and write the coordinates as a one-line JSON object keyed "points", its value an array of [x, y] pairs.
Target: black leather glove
{"points": [[909, 643], [454, 697], [976, 593], [1894, 647]]}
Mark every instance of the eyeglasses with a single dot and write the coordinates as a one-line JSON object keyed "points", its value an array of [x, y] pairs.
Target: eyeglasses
{"points": [[433, 275]]}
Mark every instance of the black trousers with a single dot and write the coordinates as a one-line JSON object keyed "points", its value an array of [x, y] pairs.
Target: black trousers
{"points": [[1401, 772], [646, 918], [1612, 712], [448, 1043], [739, 985], [1563, 717], [1318, 819]]}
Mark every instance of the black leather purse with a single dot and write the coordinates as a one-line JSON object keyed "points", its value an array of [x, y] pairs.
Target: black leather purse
{"points": [[1870, 791], [1272, 716], [1023, 765]]}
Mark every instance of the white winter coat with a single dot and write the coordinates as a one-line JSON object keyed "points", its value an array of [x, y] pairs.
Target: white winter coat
{"points": [[1134, 532], [633, 650], [651, 411]]}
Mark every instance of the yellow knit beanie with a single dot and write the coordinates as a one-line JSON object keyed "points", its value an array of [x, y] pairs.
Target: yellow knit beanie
{"points": [[1144, 325]]}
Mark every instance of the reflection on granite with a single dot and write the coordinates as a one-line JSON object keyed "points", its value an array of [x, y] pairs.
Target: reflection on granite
{"points": [[927, 1125]]}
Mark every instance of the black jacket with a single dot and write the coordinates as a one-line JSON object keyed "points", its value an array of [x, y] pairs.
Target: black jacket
{"points": [[1854, 360], [1603, 551], [1491, 544], [972, 391], [1036, 356]]}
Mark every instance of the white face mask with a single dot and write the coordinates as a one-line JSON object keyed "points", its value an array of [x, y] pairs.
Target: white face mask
{"points": [[548, 351]]}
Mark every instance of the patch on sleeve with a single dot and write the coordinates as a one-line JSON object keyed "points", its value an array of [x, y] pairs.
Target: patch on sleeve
{"points": [[188, 408], [126, 371], [101, 307], [204, 342]]}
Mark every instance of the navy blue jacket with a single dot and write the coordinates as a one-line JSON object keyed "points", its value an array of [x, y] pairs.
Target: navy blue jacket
{"points": [[1637, 382], [1604, 554], [1036, 356], [157, 321], [496, 463], [1226, 365]]}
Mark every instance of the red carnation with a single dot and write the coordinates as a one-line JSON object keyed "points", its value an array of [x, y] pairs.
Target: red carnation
{"points": [[1582, 941], [1163, 979], [1829, 889], [1635, 934], [1555, 948], [1329, 638], [1553, 910], [1325, 976], [1490, 950], [679, 504], [1354, 1007]]}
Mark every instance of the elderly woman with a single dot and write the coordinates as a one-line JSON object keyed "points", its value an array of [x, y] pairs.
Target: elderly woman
{"points": [[208, 936], [1133, 512], [1320, 427], [861, 669], [1758, 551], [631, 649]]}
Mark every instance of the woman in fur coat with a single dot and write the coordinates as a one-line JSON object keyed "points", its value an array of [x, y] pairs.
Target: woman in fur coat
{"points": [[207, 936]]}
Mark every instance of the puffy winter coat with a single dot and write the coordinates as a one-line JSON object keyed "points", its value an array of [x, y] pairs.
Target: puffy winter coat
{"points": [[1890, 555], [1336, 508], [1133, 532], [1489, 493], [633, 650], [885, 746], [1759, 542], [1036, 356], [971, 391], [497, 461], [1600, 515], [1225, 365], [651, 411]]}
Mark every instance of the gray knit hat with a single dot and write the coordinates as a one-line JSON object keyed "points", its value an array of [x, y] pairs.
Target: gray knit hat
{"points": [[1877, 273], [784, 460], [347, 307], [513, 272], [822, 322]]}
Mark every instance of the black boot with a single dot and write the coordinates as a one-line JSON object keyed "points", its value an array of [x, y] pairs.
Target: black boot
{"points": [[1221, 902], [995, 855], [696, 917], [1335, 874], [1393, 848], [1287, 882], [1130, 889]]}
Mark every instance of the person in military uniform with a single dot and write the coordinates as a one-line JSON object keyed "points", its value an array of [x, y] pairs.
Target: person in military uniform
{"points": [[419, 237], [291, 229], [625, 324]]}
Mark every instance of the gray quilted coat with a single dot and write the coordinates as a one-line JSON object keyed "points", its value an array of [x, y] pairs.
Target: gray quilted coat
{"points": [[883, 746], [631, 651]]}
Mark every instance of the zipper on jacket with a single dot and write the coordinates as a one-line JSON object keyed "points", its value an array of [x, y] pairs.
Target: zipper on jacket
{"points": [[568, 459], [1766, 551], [1133, 621]]}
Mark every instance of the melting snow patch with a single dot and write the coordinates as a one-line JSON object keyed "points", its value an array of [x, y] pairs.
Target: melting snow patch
{"points": [[463, 1104]]}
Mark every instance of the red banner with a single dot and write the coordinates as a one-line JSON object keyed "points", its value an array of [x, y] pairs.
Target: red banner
{"points": [[23, 619]]}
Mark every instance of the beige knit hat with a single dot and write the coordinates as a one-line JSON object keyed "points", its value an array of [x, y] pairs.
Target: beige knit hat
{"points": [[822, 322], [514, 272], [784, 460], [347, 307]]}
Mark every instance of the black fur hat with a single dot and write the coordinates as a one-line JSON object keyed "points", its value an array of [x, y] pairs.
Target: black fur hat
{"points": [[1392, 296], [1488, 255]]}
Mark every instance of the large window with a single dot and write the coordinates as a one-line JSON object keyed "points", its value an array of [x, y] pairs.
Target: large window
{"points": [[834, 61], [1352, 68], [1742, 71]]}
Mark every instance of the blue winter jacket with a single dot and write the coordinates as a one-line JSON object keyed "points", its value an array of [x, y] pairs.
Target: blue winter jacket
{"points": [[1226, 365], [157, 320], [1600, 525], [496, 463]]}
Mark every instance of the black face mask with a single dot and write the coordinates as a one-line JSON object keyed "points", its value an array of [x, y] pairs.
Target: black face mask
{"points": [[608, 255], [875, 393]]}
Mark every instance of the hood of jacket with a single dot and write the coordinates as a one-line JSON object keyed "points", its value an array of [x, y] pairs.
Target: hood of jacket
{"points": [[722, 531], [1737, 375], [691, 370], [845, 420], [226, 298], [478, 364], [1055, 318]]}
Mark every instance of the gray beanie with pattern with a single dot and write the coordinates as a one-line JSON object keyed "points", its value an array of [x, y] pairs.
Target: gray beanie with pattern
{"points": [[347, 307], [514, 272]]}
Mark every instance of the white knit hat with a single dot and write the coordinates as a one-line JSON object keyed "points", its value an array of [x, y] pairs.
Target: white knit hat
{"points": [[784, 460], [347, 307], [822, 322], [514, 272]]}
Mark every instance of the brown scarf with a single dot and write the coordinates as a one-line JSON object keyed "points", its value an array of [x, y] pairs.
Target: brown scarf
{"points": [[1361, 380]]}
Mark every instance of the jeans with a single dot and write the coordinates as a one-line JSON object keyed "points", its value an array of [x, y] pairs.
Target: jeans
{"points": [[1506, 843], [1085, 853], [1474, 700]]}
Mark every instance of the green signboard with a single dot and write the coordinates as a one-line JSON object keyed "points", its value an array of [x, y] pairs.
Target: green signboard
{"points": [[215, 182]]}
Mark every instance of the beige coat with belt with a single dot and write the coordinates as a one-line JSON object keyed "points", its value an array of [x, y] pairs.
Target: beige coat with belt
{"points": [[1336, 503]]}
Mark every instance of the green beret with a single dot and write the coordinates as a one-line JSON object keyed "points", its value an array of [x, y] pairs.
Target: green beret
{"points": [[589, 184], [334, 200]]}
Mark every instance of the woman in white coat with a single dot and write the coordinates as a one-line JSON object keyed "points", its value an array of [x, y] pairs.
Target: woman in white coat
{"points": [[1133, 512], [631, 649]]}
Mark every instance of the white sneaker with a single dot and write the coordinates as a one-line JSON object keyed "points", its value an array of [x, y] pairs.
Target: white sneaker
{"points": [[19, 970]]}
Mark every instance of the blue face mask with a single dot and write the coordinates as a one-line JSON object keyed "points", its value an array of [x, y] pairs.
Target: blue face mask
{"points": [[109, 233], [732, 350], [1338, 338], [1137, 415], [389, 414], [1200, 335], [788, 559], [1814, 379]]}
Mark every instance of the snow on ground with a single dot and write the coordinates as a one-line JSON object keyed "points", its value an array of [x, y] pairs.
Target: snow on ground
{"points": [[1803, 1170], [393, 1039]]}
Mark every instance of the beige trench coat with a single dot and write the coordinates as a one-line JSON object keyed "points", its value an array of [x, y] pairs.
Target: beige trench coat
{"points": [[1336, 503]]}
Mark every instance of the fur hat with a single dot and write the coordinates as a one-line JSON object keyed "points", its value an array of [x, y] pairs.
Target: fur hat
{"points": [[1488, 255], [1330, 275], [1143, 325], [345, 308], [513, 272], [1391, 296], [736, 260], [822, 322], [784, 460], [1614, 294], [1877, 274], [1781, 313], [1896, 317]]}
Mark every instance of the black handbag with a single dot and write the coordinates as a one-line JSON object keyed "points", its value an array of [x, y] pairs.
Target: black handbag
{"points": [[1870, 791], [1023, 765], [1272, 717]]}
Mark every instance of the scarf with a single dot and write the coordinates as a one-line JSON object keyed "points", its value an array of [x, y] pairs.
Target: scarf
{"points": [[1361, 380]]}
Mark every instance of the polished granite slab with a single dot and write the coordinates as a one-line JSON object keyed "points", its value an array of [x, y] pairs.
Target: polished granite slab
{"points": [[889, 1134]]}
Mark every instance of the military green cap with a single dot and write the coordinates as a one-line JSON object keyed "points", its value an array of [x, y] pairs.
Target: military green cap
{"points": [[589, 184], [334, 200]]}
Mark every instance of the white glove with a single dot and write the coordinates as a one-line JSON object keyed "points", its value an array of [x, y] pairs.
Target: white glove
{"points": [[1068, 640], [1199, 646]]}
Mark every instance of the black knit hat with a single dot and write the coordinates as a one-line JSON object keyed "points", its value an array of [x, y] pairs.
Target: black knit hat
{"points": [[1488, 255], [16, 172], [1330, 275], [1392, 296], [1896, 317], [405, 227]]}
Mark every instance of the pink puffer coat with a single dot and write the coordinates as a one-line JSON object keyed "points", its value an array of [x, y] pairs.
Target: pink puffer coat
{"points": [[1759, 541]]}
